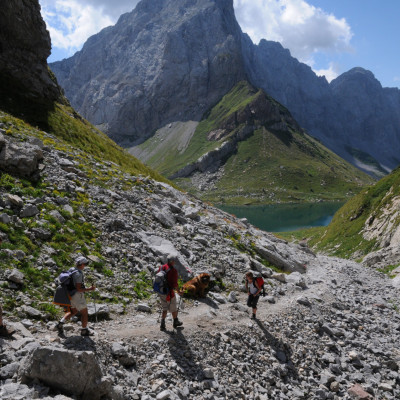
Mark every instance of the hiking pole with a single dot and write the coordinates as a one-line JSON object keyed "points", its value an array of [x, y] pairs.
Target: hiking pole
{"points": [[94, 303], [159, 315], [179, 305]]}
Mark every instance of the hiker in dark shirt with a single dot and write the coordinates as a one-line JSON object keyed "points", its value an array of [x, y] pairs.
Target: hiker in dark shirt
{"points": [[253, 291], [78, 302], [168, 301]]}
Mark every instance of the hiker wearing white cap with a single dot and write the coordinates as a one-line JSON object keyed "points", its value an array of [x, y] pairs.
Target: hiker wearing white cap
{"points": [[78, 302]]}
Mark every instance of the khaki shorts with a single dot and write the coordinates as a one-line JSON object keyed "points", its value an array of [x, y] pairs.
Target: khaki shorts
{"points": [[78, 301], [168, 305]]}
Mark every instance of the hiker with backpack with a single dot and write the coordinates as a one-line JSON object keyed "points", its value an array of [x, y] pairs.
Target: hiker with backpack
{"points": [[253, 290], [166, 291], [76, 291]]}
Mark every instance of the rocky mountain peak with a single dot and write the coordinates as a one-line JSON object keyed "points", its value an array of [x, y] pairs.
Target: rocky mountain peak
{"points": [[360, 77], [164, 61]]}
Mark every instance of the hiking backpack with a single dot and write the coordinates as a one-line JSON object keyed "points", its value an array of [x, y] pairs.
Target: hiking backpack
{"points": [[160, 284], [260, 284], [65, 279]]}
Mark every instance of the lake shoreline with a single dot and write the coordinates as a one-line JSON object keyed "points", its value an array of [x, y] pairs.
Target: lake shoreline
{"points": [[286, 217]]}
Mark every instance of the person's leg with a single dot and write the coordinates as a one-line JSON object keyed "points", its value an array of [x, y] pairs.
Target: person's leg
{"points": [[174, 312], [84, 317], [69, 314], [254, 306], [164, 306]]}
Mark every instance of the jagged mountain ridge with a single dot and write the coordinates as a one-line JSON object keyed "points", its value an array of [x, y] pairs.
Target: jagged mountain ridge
{"points": [[351, 113], [171, 61]]}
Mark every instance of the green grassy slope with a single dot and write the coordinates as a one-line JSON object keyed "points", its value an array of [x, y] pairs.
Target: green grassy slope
{"points": [[63, 122], [273, 165], [343, 237], [170, 158], [105, 165]]}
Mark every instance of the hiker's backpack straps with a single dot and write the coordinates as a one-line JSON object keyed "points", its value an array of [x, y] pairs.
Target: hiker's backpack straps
{"points": [[160, 283]]}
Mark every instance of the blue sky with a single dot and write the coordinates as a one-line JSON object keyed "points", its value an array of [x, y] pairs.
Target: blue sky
{"points": [[332, 36]]}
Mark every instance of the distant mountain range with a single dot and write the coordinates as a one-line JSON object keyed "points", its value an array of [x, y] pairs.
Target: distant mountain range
{"points": [[172, 60]]}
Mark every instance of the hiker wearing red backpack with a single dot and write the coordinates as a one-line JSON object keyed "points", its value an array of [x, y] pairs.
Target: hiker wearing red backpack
{"points": [[253, 290], [168, 300]]}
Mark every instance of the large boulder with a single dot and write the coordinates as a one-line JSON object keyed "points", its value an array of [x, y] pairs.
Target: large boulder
{"points": [[21, 159], [75, 373], [162, 248]]}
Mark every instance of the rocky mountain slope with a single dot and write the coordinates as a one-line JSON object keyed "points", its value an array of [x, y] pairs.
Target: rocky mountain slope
{"points": [[171, 61], [328, 330], [367, 227], [249, 131]]}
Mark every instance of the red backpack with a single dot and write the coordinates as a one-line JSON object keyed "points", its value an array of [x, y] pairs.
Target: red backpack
{"points": [[260, 283]]}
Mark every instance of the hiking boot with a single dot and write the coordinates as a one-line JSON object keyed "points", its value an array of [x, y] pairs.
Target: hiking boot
{"points": [[60, 327], [253, 316], [4, 332], [87, 332], [177, 323], [162, 325]]}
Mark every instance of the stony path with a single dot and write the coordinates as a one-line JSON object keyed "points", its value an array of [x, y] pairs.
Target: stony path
{"points": [[336, 337], [333, 334]]}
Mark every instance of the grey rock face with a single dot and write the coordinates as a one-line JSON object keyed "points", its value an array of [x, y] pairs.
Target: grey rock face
{"points": [[25, 46], [22, 159], [165, 61], [77, 373], [353, 111]]}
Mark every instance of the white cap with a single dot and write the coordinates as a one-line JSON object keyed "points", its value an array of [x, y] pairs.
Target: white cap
{"points": [[81, 260]]}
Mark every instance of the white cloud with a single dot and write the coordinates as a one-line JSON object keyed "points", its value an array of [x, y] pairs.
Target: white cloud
{"points": [[113, 8], [331, 73], [70, 22], [297, 25]]}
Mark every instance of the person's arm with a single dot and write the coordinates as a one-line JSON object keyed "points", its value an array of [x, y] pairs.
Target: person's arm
{"points": [[258, 289], [80, 289]]}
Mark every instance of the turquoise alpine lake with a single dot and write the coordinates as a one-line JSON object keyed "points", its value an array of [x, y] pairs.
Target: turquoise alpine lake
{"points": [[286, 217]]}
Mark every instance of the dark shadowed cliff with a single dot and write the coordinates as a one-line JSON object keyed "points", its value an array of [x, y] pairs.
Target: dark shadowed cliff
{"points": [[26, 84]]}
